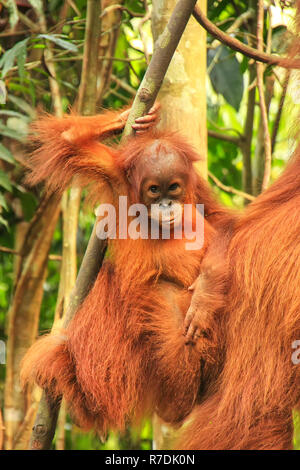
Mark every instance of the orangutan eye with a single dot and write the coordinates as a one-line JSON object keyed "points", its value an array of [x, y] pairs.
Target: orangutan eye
{"points": [[173, 187], [154, 189]]}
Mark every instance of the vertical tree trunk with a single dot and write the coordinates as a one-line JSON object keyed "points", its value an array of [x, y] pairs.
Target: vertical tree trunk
{"points": [[248, 133], [71, 199], [183, 100], [46, 415], [45, 422], [23, 314], [248, 127], [259, 157], [111, 21], [183, 93]]}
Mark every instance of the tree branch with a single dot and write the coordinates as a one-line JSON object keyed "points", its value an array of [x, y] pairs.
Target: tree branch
{"points": [[164, 49], [5, 249], [124, 85], [225, 137], [111, 8], [238, 46], [47, 414], [45, 423], [229, 189], [280, 108], [235, 26]]}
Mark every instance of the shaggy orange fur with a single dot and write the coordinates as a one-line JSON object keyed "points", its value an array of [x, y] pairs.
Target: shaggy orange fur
{"points": [[259, 386], [124, 355], [250, 403]]}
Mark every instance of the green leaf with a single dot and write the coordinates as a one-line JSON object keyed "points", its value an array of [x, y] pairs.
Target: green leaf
{"points": [[225, 75], [23, 105], [3, 222], [39, 46], [18, 88], [6, 155], [8, 59], [21, 61], [8, 112], [5, 181], [18, 125], [3, 202], [13, 13], [11, 133], [3, 92], [60, 42]]}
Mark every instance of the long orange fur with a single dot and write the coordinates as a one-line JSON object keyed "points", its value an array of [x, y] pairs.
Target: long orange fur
{"points": [[250, 403], [123, 356]]}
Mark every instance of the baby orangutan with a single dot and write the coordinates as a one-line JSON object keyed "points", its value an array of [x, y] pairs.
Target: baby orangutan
{"points": [[124, 354]]}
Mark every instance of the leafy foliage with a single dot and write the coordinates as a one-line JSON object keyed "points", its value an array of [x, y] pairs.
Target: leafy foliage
{"points": [[226, 76]]}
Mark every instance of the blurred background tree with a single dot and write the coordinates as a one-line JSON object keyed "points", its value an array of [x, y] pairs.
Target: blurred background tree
{"points": [[42, 240]]}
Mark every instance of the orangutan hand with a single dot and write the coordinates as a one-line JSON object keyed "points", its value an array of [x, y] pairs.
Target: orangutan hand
{"points": [[196, 323], [144, 123]]}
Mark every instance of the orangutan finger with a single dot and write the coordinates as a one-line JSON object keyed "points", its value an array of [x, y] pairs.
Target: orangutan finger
{"points": [[146, 119], [124, 116], [141, 131], [188, 320], [141, 126], [154, 108], [192, 287], [190, 334]]}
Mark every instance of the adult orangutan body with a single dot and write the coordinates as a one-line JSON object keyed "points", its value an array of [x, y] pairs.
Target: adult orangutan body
{"points": [[250, 406], [132, 349]]}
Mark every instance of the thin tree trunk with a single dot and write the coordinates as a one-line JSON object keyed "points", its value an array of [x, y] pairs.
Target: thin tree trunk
{"points": [[70, 209], [248, 127], [262, 100], [24, 311], [47, 412], [183, 99], [258, 166], [183, 93], [111, 22], [248, 133]]}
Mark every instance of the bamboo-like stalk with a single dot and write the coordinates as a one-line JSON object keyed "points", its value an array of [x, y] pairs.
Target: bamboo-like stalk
{"points": [[259, 160], [88, 84], [280, 108]]}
